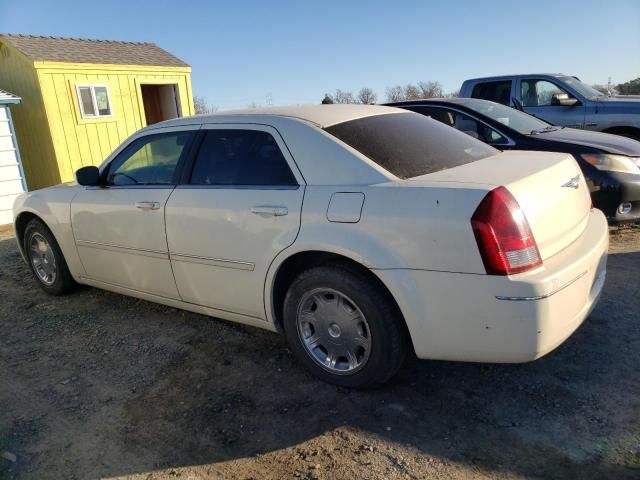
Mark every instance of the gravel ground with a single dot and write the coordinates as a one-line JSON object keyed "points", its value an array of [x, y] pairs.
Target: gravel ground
{"points": [[97, 385]]}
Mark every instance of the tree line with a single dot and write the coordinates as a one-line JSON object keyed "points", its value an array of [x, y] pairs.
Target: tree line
{"points": [[397, 93], [410, 91]]}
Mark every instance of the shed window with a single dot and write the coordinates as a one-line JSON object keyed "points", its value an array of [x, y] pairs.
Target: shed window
{"points": [[94, 101]]}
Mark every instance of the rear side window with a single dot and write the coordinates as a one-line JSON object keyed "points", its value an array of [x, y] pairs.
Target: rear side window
{"points": [[409, 144], [464, 123], [499, 92], [240, 157]]}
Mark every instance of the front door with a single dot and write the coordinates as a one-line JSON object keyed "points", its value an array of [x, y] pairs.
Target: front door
{"points": [[160, 102], [237, 210], [119, 228], [536, 98]]}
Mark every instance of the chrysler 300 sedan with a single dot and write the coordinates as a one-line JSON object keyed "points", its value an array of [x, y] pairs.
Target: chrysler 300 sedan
{"points": [[364, 233]]}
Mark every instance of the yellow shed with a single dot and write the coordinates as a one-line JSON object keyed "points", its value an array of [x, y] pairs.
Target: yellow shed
{"points": [[81, 98]]}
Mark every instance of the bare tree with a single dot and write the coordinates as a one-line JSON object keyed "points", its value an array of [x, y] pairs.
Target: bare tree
{"points": [[395, 94], [411, 92], [430, 89], [367, 96], [200, 106], [343, 97], [454, 94]]}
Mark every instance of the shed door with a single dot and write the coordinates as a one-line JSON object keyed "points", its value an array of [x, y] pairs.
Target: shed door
{"points": [[11, 181]]}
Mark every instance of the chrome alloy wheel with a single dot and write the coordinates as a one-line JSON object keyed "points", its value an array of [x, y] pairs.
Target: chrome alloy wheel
{"points": [[42, 259], [334, 331]]}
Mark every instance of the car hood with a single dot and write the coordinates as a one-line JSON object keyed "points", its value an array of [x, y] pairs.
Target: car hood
{"points": [[601, 141]]}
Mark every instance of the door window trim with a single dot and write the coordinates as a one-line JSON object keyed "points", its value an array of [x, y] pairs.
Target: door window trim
{"points": [[564, 88], [184, 156], [185, 177]]}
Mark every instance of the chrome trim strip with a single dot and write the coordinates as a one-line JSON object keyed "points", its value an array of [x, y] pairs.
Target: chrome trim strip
{"points": [[185, 186], [122, 249], [542, 297], [168, 186], [214, 262]]}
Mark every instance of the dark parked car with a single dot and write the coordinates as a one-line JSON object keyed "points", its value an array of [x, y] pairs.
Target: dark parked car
{"points": [[610, 163]]}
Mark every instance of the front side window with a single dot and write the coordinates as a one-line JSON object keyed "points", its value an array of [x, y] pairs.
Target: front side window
{"points": [[499, 92], [515, 119], [150, 160], [94, 101], [240, 157], [538, 93], [410, 144], [464, 123]]}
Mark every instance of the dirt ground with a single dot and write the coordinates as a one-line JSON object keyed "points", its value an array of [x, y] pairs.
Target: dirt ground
{"points": [[97, 385]]}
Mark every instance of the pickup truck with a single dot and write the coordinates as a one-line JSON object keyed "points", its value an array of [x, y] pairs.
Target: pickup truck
{"points": [[560, 100]]}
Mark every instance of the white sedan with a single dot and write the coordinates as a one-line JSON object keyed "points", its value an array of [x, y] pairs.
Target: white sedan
{"points": [[361, 232]]}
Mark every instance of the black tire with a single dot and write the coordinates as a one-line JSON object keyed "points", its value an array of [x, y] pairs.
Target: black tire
{"points": [[63, 282], [388, 337]]}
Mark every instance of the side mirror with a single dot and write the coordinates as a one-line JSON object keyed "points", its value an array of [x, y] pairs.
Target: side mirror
{"points": [[563, 99], [88, 176]]}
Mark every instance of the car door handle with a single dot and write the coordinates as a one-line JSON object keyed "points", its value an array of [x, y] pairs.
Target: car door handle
{"points": [[148, 205], [269, 210]]}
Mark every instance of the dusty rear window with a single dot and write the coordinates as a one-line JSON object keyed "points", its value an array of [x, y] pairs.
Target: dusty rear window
{"points": [[409, 144]]}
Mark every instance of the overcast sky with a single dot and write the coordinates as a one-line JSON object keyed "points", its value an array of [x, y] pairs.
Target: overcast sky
{"points": [[292, 52]]}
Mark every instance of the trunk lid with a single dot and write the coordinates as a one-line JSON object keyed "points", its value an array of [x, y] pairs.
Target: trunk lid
{"points": [[549, 187]]}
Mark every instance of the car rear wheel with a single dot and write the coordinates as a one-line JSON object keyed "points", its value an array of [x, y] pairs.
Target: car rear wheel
{"points": [[46, 260], [343, 327]]}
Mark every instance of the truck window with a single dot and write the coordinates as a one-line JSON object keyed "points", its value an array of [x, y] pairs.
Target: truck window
{"points": [[499, 92], [538, 93]]}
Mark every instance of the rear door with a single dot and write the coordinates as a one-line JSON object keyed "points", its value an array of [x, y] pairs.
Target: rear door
{"points": [[237, 208], [536, 98]]}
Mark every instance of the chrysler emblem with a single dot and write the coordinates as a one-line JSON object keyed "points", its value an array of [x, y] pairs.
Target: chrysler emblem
{"points": [[573, 183]]}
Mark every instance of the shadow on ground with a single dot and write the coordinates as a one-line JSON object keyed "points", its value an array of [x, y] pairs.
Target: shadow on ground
{"points": [[100, 385]]}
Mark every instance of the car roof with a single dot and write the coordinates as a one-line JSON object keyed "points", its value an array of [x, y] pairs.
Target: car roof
{"points": [[423, 101], [519, 75], [320, 115]]}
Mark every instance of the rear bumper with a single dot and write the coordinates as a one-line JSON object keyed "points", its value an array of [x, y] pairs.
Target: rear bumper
{"points": [[484, 318]]}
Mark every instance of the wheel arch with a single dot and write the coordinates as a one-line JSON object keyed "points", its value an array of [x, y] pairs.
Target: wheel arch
{"points": [[626, 131], [20, 225], [289, 267]]}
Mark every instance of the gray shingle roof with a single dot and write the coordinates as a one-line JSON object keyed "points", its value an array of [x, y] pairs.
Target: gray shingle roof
{"points": [[6, 97], [82, 50]]}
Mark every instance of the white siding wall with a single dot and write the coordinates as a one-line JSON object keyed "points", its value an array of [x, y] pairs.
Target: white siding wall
{"points": [[11, 182]]}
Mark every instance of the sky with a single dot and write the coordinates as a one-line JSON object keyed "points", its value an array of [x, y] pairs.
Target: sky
{"points": [[246, 52]]}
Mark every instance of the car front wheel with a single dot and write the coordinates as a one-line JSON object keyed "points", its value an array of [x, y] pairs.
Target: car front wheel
{"points": [[343, 327], [46, 260]]}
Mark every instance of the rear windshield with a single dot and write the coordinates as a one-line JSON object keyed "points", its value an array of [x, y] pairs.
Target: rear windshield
{"points": [[409, 144]]}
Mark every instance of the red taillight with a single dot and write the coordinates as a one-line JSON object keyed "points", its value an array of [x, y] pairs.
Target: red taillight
{"points": [[504, 238]]}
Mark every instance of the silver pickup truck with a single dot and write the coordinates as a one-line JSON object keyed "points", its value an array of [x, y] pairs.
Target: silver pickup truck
{"points": [[560, 100]]}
